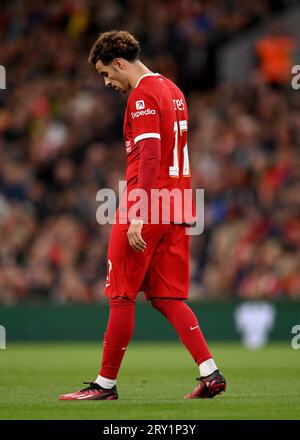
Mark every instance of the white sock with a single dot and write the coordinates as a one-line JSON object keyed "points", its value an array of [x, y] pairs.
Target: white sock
{"points": [[104, 382], [208, 367]]}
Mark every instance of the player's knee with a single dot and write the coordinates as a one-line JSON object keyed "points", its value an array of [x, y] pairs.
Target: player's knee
{"points": [[159, 304], [164, 305]]}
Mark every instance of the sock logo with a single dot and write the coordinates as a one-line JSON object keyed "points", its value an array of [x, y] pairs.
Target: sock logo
{"points": [[193, 328]]}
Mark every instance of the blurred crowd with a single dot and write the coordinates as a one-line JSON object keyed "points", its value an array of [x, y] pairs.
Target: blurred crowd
{"points": [[61, 141], [245, 144]]}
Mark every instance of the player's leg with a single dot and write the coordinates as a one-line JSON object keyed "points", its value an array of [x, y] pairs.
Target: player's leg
{"points": [[118, 334], [167, 285], [185, 322], [125, 272]]}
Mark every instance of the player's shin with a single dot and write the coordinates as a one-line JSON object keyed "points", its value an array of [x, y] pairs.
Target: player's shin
{"points": [[116, 339], [187, 326]]}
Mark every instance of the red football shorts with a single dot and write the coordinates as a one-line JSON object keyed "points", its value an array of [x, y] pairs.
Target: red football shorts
{"points": [[161, 271]]}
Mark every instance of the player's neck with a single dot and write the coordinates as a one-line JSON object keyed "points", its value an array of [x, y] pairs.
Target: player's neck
{"points": [[139, 70]]}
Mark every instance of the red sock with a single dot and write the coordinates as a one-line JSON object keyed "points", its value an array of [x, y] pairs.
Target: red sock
{"points": [[187, 326], [118, 333]]}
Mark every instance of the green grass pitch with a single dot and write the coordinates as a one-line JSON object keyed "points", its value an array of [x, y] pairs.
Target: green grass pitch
{"points": [[154, 377]]}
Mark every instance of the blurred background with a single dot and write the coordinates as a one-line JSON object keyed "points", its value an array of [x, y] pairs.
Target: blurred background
{"points": [[61, 141]]}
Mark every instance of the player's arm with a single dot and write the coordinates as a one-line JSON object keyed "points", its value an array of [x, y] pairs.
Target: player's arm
{"points": [[145, 124], [150, 154]]}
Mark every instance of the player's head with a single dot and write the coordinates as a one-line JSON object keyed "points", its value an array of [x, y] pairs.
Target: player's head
{"points": [[113, 54]]}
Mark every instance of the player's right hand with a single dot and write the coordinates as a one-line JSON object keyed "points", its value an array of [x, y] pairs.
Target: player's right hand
{"points": [[135, 238]]}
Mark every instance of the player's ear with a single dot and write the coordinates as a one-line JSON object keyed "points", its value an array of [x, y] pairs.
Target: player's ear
{"points": [[119, 63]]}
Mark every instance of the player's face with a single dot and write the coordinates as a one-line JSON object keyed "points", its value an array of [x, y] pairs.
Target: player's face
{"points": [[114, 76]]}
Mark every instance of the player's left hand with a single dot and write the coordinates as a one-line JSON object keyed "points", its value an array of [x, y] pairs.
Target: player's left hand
{"points": [[135, 238]]}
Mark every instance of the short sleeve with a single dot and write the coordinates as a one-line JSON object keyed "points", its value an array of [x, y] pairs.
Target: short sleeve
{"points": [[144, 115]]}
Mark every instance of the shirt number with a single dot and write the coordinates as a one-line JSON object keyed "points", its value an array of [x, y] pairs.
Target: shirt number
{"points": [[174, 169]]}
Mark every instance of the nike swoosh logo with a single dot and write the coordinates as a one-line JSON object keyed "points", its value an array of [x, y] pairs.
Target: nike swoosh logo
{"points": [[193, 328]]}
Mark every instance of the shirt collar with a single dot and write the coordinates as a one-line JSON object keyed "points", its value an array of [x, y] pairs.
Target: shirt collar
{"points": [[143, 76]]}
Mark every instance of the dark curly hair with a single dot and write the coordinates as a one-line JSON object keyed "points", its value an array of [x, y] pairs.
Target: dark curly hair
{"points": [[114, 44]]}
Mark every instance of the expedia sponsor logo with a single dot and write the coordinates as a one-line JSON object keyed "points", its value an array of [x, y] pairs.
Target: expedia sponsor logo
{"points": [[146, 112], [139, 105]]}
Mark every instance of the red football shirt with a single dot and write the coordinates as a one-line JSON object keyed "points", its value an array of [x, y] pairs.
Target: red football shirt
{"points": [[157, 109]]}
